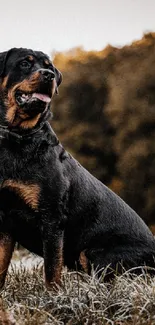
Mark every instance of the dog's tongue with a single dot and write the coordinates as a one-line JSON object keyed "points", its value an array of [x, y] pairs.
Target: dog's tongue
{"points": [[44, 98]]}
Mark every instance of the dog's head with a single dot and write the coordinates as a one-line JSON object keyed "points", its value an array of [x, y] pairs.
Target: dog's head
{"points": [[28, 80]]}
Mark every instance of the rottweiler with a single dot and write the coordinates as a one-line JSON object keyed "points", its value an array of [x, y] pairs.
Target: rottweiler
{"points": [[49, 203]]}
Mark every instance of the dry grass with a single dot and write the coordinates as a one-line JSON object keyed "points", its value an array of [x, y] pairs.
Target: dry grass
{"points": [[82, 300]]}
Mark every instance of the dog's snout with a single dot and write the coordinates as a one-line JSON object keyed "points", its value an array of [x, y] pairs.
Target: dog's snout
{"points": [[47, 74]]}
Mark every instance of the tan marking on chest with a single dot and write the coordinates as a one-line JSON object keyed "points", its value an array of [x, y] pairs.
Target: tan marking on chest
{"points": [[28, 192]]}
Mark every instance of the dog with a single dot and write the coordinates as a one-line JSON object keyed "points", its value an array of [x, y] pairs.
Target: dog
{"points": [[49, 203]]}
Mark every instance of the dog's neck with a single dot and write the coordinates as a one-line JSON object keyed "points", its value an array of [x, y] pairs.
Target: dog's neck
{"points": [[7, 133], [19, 135], [13, 135]]}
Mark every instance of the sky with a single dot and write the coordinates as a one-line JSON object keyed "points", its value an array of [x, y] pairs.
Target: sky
{"points": [[59, 25]]}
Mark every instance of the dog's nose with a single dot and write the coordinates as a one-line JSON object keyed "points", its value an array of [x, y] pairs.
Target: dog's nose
{"points": [[47, 74]]}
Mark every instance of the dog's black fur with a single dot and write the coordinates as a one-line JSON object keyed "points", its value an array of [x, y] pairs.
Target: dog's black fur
{"points": [[48, 202]]}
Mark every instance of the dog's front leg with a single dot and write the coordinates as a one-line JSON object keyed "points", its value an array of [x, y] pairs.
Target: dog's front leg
{"points": [[52, 253], [6, 249]]}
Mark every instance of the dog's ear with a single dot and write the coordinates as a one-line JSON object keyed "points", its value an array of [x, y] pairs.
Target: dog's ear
{"points": [[3, 57], [58, 78]]}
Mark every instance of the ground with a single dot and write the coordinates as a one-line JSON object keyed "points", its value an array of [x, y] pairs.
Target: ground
{"points": [[82, 299]]}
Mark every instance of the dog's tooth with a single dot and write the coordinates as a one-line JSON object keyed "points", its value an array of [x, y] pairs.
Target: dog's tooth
{"points": [[25, 96], [23, 99]]}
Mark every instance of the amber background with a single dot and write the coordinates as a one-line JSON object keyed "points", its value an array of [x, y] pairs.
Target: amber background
{"points": [[105, 116]]}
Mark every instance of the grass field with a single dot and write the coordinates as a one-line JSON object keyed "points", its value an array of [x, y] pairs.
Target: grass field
{"points": [[82, 299]]}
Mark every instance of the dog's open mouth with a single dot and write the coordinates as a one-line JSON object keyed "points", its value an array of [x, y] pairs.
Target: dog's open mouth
{"points": [[23, 98]]}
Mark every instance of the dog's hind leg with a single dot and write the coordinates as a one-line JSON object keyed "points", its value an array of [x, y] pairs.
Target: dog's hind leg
{"points": [[102, 263], [115, 261], [6, 249]]}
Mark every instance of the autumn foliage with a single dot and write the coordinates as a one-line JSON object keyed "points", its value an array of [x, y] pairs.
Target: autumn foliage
{"points": [[105, 116]]}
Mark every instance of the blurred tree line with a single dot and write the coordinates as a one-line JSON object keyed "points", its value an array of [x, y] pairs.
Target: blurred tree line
{"points": [[105, 116]]}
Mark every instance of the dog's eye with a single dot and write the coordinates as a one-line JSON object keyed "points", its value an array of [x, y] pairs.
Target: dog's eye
{"points": [[25, 64]]}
